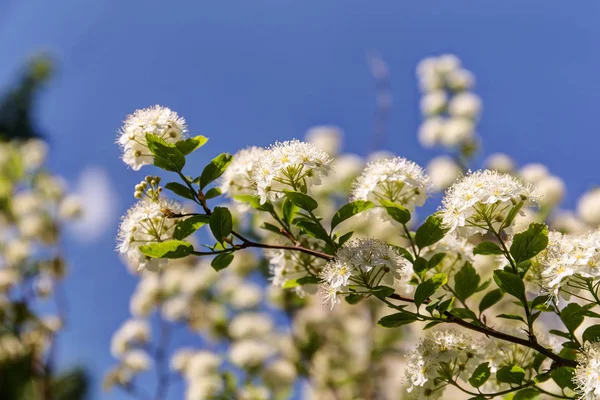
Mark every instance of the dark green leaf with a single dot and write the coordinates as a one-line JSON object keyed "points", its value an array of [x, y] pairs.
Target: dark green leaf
{"points": [[556, 332], [222, 261], [563, 377], [492, 297], [189, 145], [167, 249], [220, 223], [529, 243], [513, 375], [354, 298], [511, 284], [308, 280], [166, 155], [486, 248], [480, 375], [289, 211], [215, 169], [313, 230], [186, 227], [466, 282], [396, 320], [436, 259], [421, 266], [301, 200], [396, 211], [180, 190], [344, 238], [430, 232], [429, 287], [463, 313], [511, 316], [592, 334], [212, 193], [382, 292], [526, 394], [572, 316], [538, 360], [349, 210]]}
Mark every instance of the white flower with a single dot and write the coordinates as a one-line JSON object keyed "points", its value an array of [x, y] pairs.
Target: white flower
{"points": [[26, 202], [250, 325], [467, 105], [16, 251], [483, 199], [286, 266], [133, 331], [588, 207], [202, 364], [246, 296], [180, 359], [207, 388], [567, 221], [325, 137], [587, 373], [289, 165], [533, 172], [551, 190], [280, 373], [8, 278], [237, 178], [156, 120], [33, 153], [176, 308], [136, 360], [434, 102], [70, 207], [461, 79], [457, 131], [443, 171], [431, 132], [144, 223], [500, 162], [397, 180], [447, 63], [249, 353]]}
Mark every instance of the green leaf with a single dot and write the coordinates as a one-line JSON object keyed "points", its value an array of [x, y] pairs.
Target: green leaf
{"points": [[429, 287], [421, 266], [222, 261], [572, 316], [556, 332], [180, 190], [166, 155], [382, 292], [430, 232], [592, 334], [189, 145], [480, 375], [529, 243], [212, 193], [512, 214], [344, 238], [526, 394], [349, 210], [487, 248], [513, 375], [313, 230], [466, 282], [396, 320], [511, 316], [289, 210], [308, 280], [354, 298], [186, 227], [301, 200], [463, 313], [396, 211], [167, 249], [563, 376], [538, 360], [436, 259], [220, 223], [215, 169], [511, 284]]}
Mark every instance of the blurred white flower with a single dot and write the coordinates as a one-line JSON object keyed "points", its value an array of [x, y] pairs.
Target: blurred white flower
{"points": [[443, 171]]}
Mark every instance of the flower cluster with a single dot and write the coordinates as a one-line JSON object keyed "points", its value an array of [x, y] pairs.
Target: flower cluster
{"points": [[363, 262], [237, 179], [289, 165], [587, 373], [156, 120], [397, 180], [567, 260], [483, 200]]}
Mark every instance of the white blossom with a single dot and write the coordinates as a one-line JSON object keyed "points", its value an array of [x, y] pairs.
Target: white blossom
{"points": [[433, 102], [249, 353], [136, 360], [587, 372], [250, 325], [237, 178], [133, 331], [443, 171], [500, 162], [157, 120], [588, 207], [533, 172], [327, 138], [467, 105]]}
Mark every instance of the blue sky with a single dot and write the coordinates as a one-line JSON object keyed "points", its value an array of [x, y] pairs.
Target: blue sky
{"points": [[250, 72]]}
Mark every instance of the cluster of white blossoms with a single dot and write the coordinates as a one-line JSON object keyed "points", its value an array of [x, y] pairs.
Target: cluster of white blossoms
{"points": [[156, 120], [483, 200], [146, 222], [288, 165], [451, 347], [200, 369], [363, 262], [396, 179], [587, 373], [449, 107], [237, 178], [568, 259]]}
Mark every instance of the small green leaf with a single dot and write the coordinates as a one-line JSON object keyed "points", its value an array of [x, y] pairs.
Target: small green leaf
{"points": [[289, 210], [396, 320], [189, 145], [480, 375], [349, 210], [180, 190], [396, 211], [167, 249], [313, 230], [421, 266], [354, 298], [486, 248], [526, 394], [215, 169], [429, 287], [222, 261], [572, 316], [301, 200], [430, 232], [166, 155], [592, 334], [511, 284], [344, 238], [466, 282], [463, 313], [513, 375], [212, 193], [220, 223], [529, 243], [186, 227], [308, 280], [436, 259], [382, 292], [563, 376], [511, 316]]}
